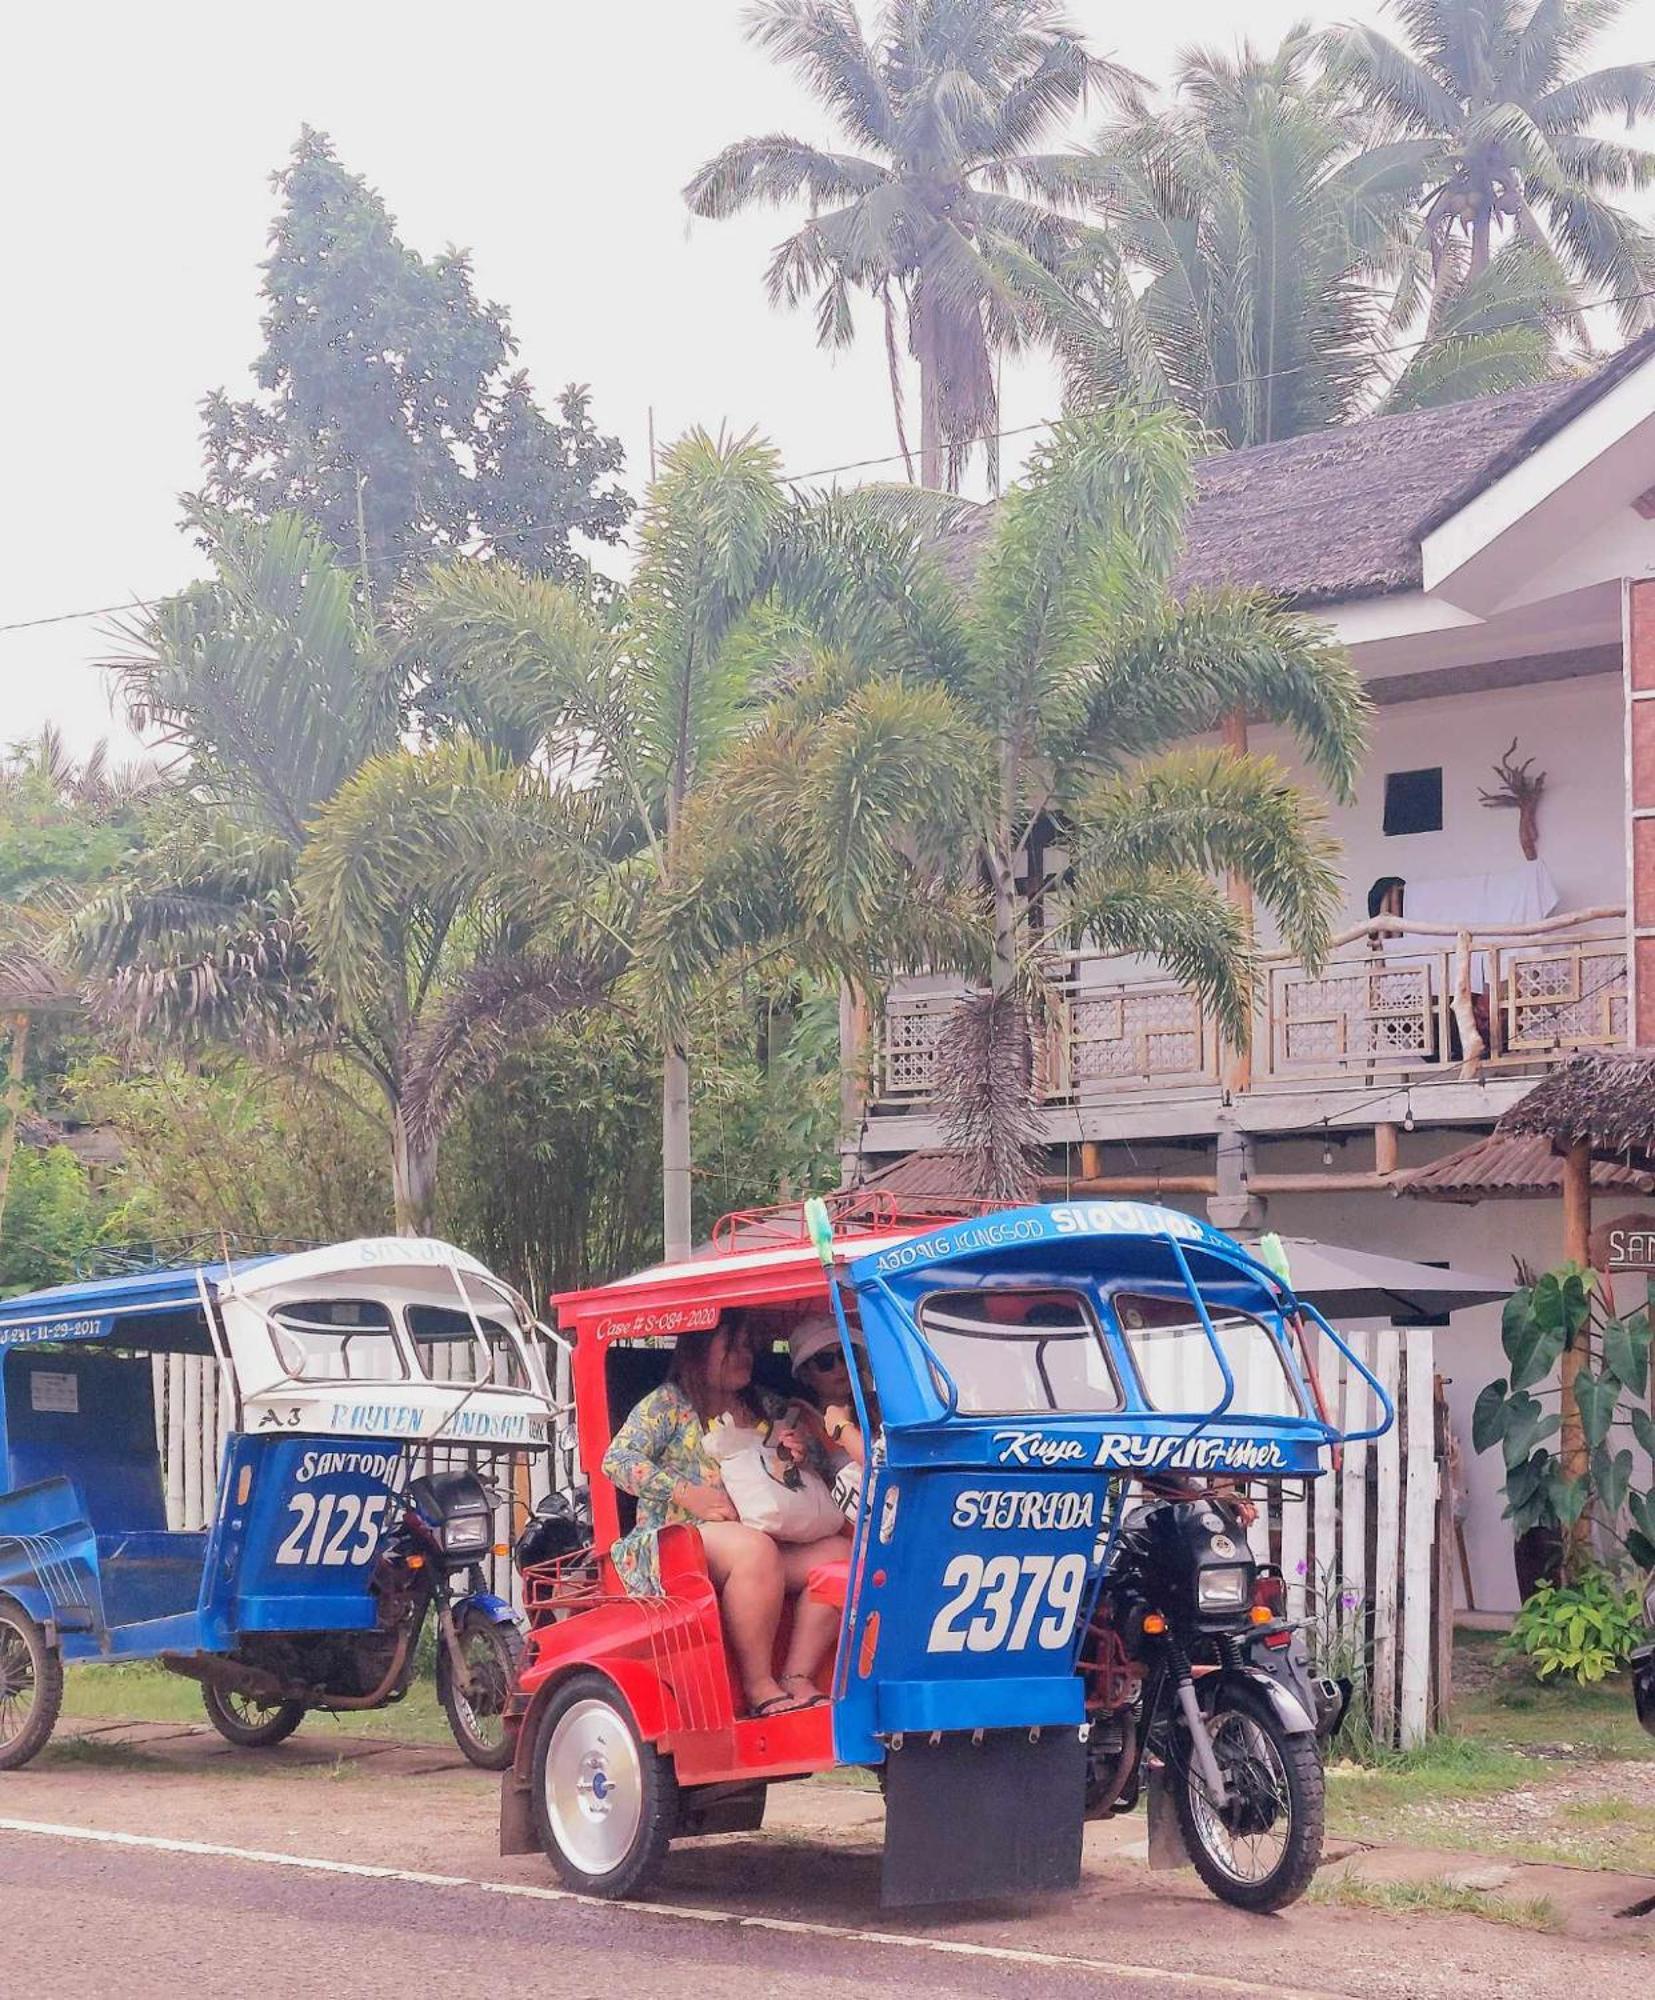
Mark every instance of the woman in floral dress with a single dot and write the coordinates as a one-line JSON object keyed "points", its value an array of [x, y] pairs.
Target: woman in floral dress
{"points": [[657, 1455]]}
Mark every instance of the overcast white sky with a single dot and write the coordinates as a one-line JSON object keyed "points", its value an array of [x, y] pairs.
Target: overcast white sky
{"points": [[550, 137]]}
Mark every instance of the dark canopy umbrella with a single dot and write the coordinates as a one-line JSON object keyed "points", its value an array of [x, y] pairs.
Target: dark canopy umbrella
{"points": [[1356, 1284]]}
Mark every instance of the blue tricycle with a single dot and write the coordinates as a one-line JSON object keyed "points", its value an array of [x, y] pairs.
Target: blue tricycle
{"points": [[359, 1384], [1049, 1604]]}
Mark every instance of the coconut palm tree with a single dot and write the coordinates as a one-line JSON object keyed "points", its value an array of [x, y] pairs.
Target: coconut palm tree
{"points": [[1263, 270], [1489, 106], [638, 714], [316, 884], [946, 104], [1044, 639]]}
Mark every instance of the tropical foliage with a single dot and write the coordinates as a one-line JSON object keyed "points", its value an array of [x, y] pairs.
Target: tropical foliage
{"points": [[1489, 108], [1262, 272], [388, 411], [1569, 1467], [1050, 650], [641, 709], [946, 104], [319, 884]]}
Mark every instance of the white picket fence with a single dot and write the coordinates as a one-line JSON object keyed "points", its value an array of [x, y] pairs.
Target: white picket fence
{"points": [[1364, 1552]]}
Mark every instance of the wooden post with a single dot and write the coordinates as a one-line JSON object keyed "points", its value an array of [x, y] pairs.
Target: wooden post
{"points": [[855, 1081], [1465, 1014], [1236, 1068], [1442, 1583], [1577, 1249], [1384, 1149], [1091, 1160]]}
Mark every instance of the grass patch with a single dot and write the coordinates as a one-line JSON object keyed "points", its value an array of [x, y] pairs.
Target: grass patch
{"points": [[141, 1691], [92, 1750], [1505, 1704], [1434, 1897], [1375, 1801]]}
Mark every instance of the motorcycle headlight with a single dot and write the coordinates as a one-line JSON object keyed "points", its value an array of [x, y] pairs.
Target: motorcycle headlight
{"points": [[468, 1532], [1225, 1589]]}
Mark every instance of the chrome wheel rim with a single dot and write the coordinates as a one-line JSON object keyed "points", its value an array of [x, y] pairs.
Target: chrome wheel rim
{"points": [[480, 1702], [594, 1787], [1257, 1778], [19, 1690]]}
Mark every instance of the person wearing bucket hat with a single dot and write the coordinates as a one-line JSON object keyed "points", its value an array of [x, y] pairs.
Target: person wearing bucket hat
{"points": [[822, 1372]]}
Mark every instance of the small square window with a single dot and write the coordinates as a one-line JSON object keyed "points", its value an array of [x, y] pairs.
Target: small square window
{"points": [[1413, 801]]}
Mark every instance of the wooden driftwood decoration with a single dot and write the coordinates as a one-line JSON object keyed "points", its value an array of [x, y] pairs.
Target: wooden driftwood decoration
{"points": [[1472, 1047], [1519, 789]]}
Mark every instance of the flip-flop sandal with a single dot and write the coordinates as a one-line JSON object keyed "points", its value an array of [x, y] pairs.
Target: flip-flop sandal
{"points": [[785, 1704]]}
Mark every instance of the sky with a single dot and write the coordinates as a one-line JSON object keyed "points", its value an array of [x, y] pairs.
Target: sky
{"points": [[551, 138]]}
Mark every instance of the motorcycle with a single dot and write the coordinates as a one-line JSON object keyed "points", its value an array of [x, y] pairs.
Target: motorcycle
{"points": [[1194, 1674], [1643, 1666], [430, 1564]]}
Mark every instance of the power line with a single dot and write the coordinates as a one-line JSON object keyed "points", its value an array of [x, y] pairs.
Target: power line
{"points": [[898, 457]]}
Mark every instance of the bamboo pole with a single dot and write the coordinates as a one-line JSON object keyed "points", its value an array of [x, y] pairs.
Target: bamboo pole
{"points": [[1577, 1249]]}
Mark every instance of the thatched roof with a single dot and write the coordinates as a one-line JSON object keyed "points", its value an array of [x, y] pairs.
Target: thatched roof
{"points": [[1605, 1101], [1341, 513], [1510, 1166]]}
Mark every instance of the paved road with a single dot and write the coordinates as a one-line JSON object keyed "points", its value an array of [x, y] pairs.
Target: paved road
{"points": [[134, 1921]]}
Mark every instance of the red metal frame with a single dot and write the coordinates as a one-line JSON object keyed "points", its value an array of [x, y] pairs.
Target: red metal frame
{"points": [[666, 1654]]}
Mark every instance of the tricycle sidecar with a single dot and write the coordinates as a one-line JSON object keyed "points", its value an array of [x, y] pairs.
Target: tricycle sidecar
{"points": [[319, 1552], [1021, 1375]]}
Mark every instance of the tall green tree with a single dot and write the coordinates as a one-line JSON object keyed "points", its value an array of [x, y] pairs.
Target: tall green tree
{"points": [[946, 104], [388, 410], [321, 886], [1048, 646], [643, 710], [1489, 105]]}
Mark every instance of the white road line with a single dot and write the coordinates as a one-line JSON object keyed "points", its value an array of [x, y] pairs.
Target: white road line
{"points": [[1204, 1982]]}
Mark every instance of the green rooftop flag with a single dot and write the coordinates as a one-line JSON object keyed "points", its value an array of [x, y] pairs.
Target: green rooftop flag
{"points": [[821, 1229], [1273, 1254]]}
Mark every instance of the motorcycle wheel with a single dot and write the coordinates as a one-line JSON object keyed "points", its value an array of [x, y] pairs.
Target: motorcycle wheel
{"points": [[248, 1722], [1260, 1850], [605, 1802], [31, 1687], [477, 1719]]}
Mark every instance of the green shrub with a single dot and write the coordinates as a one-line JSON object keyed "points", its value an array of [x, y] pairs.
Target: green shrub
{"points": [[1583, 1632]]}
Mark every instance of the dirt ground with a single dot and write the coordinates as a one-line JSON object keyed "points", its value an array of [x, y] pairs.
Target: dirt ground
{"points": [[329, 1795]]}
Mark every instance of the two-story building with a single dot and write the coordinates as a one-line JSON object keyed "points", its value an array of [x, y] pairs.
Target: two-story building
{"points": [[1491, 569]]}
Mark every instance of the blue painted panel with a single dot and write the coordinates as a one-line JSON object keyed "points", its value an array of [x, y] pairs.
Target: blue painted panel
{"points": [[300, 1549], [88, 1417], [48, 1554], [981, 1589], [150, 1575]]}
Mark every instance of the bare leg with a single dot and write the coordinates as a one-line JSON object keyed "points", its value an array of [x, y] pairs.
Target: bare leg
{"points": [[746, 1569], [815, 1626]]}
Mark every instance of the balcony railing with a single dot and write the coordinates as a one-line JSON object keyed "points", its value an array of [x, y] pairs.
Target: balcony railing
{"points": [[1394, 999]]}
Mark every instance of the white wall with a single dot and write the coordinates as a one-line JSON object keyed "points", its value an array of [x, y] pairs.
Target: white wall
{"points": [[1572, 730]]}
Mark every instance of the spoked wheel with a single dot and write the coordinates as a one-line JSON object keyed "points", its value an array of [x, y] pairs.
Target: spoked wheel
{"points": [[477, 1715], [1261, 1847], [31, 1687], [249, 1722], [605, 1802]]}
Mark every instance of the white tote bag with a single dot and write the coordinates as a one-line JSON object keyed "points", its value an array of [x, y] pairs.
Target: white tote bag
{"points": [[766, 1489]]}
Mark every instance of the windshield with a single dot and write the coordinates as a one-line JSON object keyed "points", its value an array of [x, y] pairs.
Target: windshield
{"points": [[1011, 1353], [449, 1347], [338, 1340], [1179, 1371]]}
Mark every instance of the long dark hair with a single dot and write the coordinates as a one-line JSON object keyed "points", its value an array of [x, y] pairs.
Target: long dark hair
{"points": [[691, 1371]]}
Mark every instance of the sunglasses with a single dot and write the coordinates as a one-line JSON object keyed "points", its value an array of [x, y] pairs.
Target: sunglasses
{"points": [[824, 1360]]}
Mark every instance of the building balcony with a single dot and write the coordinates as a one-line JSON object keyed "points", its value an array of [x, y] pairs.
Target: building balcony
{"points": [[1397, 1003]]}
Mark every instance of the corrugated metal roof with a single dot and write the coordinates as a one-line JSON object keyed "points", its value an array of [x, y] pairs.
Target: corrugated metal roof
{"points": [[1509, 1166]]}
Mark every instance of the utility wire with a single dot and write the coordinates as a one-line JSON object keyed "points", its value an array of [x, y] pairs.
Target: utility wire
{"points": [[979, 437]]}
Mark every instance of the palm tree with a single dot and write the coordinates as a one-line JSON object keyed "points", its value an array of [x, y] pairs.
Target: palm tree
{"points": [[946, 104], [1487, 104], [318, 886], [635, 717], [1263, 271], [1048, 647]]}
